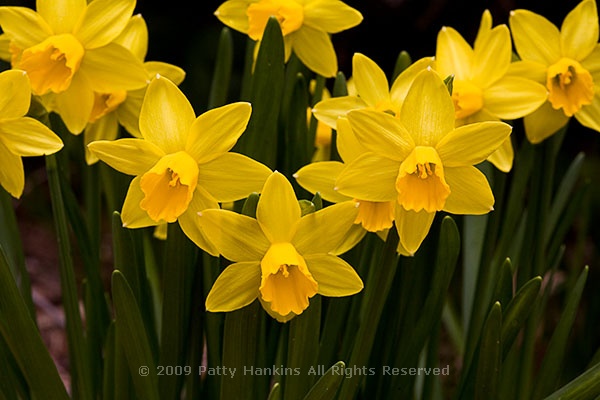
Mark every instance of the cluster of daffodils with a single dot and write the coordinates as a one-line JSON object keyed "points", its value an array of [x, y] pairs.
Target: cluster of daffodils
{"points": [[407, 151]]}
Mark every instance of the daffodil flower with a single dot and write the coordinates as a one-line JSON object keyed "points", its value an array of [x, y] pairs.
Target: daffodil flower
{"points": [[68, 50], [20, 136], [122, 108], [565, 61], [281, 257], [420, 161], [481, 89], [306, 26], [182, 164]]}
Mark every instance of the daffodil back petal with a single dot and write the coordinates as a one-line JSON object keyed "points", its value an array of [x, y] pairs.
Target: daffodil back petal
{"points": [[278, 211], [236, 287], [129, 156], [369, 177], [470, 192], [335, 276]]}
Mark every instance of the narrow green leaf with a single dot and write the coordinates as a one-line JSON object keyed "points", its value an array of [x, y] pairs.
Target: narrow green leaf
{"points": [[132, 332], [222, 72], [490, 355], [504, 286], [474, 227], [585, 387], [402, 62], [340, 85], [297, 149], [327, 386], [108, 374], [250, 205], [275, 393]]}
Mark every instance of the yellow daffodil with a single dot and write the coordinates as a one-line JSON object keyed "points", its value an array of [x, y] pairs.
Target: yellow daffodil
{"points": [[565, 61], [281, 257], [482, 90], [68, 50], [372, 90], [20, 136], [421, 161], [305, 25], [122, 108], [182, 164]]}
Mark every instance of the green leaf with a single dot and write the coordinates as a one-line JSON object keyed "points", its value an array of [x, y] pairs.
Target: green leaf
{"points": [[472, 246], [297, 148], [490, 355], [222, 71], [402, 62], [327, 386], [585, 387]]}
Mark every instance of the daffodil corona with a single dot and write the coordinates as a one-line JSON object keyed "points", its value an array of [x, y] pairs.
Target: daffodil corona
{"points": [[281, 257], [182, 164]]}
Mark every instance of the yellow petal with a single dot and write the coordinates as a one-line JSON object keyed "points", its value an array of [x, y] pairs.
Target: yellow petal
{"points": [[348, 145], [166, 116], [503, 157], [412, 227], [132, 215], [216, 131], [278, 211], [233, 14], [99, 66], [26, 27], [369, 177], [382, 133], [485, 27], [172, 72], [128, 112], [536, 39], [324, 230], [592, 64], [12, 175], [16, 94], [320, 177], [314, 48], [404, 81], [371, 83], [129, 156], [529, 70], [61, 15], [428, 111], [328, 111], [589, 116], [236, 287], [28, 137], [375, 216], [75, 104], [330, 16], [103, 21], [106, 128], [237, 237], [492, 56], [188, 221], [352, 238], [514, 97], [543, 123], [280, 318], [453, 54], [470, 192], [579, 31], [473, 143], [336, 278], [135, 37]]}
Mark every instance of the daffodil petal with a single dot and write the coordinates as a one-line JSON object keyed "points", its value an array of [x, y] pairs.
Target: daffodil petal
{"points": [[16, 94], [320, 177], [28, 137], [166, 116], [579, 31], [485, 27], [473, 143], [61, 15], [470, 192], [381, 133], [348, 145], [535, 38], [336, 278], [532, 70], [404, 81], [278, 211], [428, 111], [331, 16], [132, 214], [280, 318], [504, 156], [135, 37], [188, 221], [371, 82], [232, 176], [236, 287], [128, 113], [492, 56], [233, 14], [237, 237], [12, 175], [328, 111], [172, 72], [99, 66], [514, 97], [453, 54], [75, 104], [4, 47], [103, 21], [544, 122], [324, 230], [129, 156], [314, 48], [589, 116], [106, 128], [369, 177], [25, 26], [413, 228], [352, 238], [216, 131]]}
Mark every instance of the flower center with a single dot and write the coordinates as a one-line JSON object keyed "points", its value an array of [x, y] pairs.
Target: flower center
{"points": [[467, 98], [52, 63], [105, 103], [420, 183], [286, 282], [374, 215], [169, 186], [289, 13], [570, 85]]}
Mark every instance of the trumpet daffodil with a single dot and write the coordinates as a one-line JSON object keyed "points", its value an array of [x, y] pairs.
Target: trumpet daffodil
{"points": [[281, 257], [565, 61], [69, 52], [421, 161], [182, 164], [20, 136], [482, 89], [306, 26]]}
